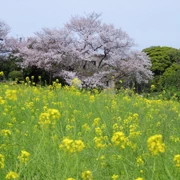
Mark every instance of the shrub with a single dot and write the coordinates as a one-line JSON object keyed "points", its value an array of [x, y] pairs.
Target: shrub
{"points": [[15, 75]]}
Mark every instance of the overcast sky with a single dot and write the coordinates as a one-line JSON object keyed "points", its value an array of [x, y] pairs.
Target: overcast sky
{"points": [[148, 22]]}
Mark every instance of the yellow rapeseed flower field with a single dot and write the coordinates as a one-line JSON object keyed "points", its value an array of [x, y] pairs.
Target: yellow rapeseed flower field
{"points": [[68, 133]]}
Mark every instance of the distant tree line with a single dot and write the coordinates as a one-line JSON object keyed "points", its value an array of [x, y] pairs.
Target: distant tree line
{"points": [[166, 68]]}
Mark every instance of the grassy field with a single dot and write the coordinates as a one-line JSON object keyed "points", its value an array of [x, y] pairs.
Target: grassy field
{"points": [[59, 133]]}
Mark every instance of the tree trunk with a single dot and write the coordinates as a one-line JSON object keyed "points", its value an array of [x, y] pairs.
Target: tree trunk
{"points": [[50, 77]]}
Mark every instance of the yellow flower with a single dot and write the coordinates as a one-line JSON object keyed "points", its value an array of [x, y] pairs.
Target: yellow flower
{"points": [[72, 146], [1, 73], [69, 127], [177, 160], [27, 79], [119, 138], [86, 127], [86, 175], [139, 161], [11, 94], [24, 157], [49, 117], [1, 100], [99, 142], [96, 121], [114, 176], [1, 161], [153, 87], [141, 171], [139, 178], [12, 175], [70, 179], [79, 145], [115, 126], [114, 104], [76, 83], [174, 138], [5, 132], [155, 144], [91, 98], [98, 131]]}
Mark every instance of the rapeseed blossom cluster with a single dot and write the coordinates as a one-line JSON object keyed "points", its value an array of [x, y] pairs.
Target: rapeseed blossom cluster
{"points": [[153, 87], [11, 95], [133, 133], [5, 132], [91, 98], [115, 127], [86, 127], [102, 161], [49, 117], [1, 161], [132, 122], [177, 160], [27, 79], [76, 82], [114, 177], [72, 146], [119, 139], [86, 175], [139, 161], [24, 157], [175, 139], [155, 144], [100, 141], [2, 101], [139, 178], [98, 131], [12, 175], [96, 121], [1, 73]]}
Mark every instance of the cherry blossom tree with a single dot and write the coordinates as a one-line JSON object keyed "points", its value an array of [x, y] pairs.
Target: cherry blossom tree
{"points": [[4, 30], [87, 49]]}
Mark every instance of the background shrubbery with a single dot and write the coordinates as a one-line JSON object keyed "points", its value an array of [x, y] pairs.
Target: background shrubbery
{"points": [[166, 69], [15, 75]]}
